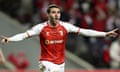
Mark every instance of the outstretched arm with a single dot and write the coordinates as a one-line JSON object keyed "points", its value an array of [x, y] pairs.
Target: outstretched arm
{"points": [[93, 33], [21, 36], [90, 32], [17, 37]]}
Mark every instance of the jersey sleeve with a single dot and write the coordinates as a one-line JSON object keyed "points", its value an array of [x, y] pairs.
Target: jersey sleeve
{"points": [[34, 30], [85, 32], [72, 28], [92, 33], [31, 32], [18, 37]]}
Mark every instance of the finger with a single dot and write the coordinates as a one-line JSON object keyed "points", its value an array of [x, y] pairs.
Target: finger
{"points": [[115, 30], [114, 34]]}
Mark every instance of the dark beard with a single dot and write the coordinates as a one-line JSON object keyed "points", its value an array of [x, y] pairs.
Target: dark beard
{"points": [[53, 22]]}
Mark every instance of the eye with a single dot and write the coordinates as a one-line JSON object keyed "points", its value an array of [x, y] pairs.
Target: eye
{"points": [[58, 12], [53, 11]]}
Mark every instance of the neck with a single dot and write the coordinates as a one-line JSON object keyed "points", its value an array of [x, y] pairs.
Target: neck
{"points": [[53, 23]]}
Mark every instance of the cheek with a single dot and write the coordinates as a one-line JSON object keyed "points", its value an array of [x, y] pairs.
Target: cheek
{"points": [[58, 15], [52, 15]]}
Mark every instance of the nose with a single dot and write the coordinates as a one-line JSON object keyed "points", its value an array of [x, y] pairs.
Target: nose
{"points": [[56, 15]]}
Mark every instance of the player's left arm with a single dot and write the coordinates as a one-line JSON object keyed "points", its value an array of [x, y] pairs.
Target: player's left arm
{"points": [[90, 32], [94, 33]]}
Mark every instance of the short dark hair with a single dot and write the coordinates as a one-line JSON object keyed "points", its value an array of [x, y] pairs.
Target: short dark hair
{"points": [[52, 6]]}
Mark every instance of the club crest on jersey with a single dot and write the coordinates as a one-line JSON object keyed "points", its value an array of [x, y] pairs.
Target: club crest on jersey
{"points": [[47, 33], [47, 42], [61, 33]]}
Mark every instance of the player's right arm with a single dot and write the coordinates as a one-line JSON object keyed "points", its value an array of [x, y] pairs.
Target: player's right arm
{"points": [[21, 36], [17, 37]]}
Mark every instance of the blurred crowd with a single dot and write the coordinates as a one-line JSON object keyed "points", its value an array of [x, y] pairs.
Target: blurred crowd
{"points": [[19, 60], [100, 15]]}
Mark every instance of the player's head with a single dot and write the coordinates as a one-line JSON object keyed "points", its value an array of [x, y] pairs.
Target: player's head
{"points": [[53, 12]]}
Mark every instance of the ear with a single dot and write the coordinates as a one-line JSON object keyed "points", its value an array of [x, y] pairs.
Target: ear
{"points": [[47, 14]]}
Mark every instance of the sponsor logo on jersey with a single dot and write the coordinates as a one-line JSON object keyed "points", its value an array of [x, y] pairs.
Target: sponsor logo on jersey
{"points": [[53, 41]]}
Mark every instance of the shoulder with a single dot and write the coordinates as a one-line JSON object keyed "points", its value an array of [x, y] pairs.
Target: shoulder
{"points": [[66, 24], [40, 25], [69, 27]]}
